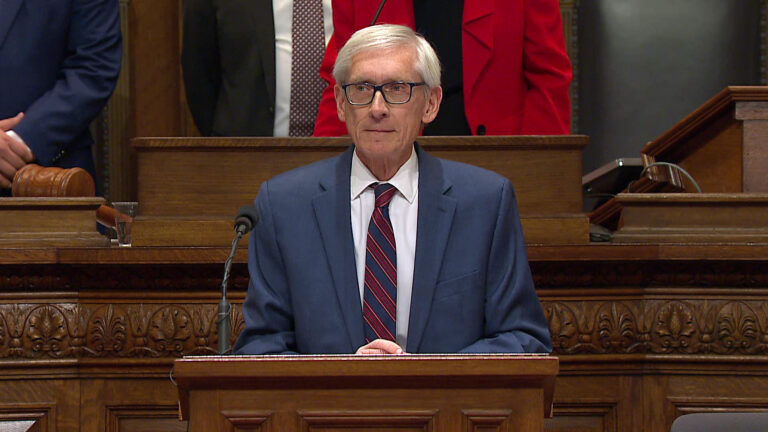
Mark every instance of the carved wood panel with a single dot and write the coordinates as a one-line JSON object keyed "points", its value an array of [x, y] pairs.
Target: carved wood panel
{"points": [[374, 420], [135, 330], [26, 417], [583, 417], [247, 420], [691, 314], [144, 418], [485, 421], [665, 326], [35, 405]]}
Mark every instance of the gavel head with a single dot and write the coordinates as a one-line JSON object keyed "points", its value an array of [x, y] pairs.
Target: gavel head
{"points": [[36, 181]]}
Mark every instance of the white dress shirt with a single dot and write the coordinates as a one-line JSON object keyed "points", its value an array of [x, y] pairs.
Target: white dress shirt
{"points": [[403, 212], [282, 11]]}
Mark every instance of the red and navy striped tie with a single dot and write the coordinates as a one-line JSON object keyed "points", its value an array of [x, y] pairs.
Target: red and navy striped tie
{"points": [[380, 294]]}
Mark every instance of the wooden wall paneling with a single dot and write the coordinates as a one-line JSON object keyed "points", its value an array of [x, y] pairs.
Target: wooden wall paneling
{"points": [[44, 405], [153, 39], [644, 333], [135, 405], [585, 403], [670, 396]]}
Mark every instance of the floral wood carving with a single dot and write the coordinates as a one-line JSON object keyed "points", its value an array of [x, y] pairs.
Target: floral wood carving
{"points": [[659, 327], [45, 330], [109, 330], [50, 331], [675, 307]]}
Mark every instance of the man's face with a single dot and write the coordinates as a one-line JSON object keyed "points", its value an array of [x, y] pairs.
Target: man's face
{"points": [[383, 132]]}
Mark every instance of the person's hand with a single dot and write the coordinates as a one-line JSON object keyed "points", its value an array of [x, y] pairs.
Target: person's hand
{"points": [[380, 346], [13, 153]]}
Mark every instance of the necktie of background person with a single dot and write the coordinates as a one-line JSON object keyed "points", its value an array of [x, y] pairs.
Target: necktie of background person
{"points": [[380, 293], [308, 47]]}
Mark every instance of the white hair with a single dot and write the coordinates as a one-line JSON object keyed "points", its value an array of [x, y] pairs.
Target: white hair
{"points": [[385, 36]]}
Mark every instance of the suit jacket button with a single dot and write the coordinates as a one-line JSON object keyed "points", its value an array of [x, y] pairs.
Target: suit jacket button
{"points": [[480, 130]]}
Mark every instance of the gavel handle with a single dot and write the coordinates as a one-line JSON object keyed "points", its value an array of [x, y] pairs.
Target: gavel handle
{"points": [[106, 215]]}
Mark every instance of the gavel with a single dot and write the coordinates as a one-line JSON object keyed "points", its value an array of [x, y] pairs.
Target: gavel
{"points": [[36, 181]]}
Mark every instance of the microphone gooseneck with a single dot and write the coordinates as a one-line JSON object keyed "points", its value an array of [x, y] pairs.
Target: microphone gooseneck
{"points": [[378, 11], [244, 222]]}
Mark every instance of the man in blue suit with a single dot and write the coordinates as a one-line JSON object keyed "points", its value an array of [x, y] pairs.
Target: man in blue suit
{"points": [[59, 62], [386, 249]]}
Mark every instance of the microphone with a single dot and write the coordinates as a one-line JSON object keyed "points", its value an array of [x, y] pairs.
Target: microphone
{"points": [[246, 219], [378, 11]]}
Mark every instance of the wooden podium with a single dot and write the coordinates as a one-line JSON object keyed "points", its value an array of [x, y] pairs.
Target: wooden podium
{"points": [[433, 393], [722, 145]]}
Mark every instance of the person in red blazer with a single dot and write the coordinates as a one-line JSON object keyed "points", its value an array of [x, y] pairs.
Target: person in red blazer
{"points": [[516, 72]]}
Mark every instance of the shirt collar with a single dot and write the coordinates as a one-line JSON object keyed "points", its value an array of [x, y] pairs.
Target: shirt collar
{"points": [[405, 180]]}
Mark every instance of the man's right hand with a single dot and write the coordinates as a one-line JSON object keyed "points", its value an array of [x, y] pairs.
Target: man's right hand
{"points": [[13, 153]]}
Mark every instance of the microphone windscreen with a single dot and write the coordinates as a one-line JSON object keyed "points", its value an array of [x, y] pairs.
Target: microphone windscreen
{"points": [[247, 217]]}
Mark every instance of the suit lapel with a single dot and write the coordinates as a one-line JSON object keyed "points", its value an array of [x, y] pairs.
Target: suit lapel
{"points": [[477, 40], [8, 11], [332, 210], [436, 210], [263, 17]]}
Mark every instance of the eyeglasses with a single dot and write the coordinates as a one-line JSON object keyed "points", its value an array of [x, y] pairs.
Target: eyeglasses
{"points": [[395, 92]]}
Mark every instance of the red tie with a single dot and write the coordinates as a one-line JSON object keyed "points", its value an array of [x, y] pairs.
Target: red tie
{"points": [[380, 293]]}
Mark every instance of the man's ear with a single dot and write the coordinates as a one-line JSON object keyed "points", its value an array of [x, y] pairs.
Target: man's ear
{"points": [[434, 97], [338, 93]]}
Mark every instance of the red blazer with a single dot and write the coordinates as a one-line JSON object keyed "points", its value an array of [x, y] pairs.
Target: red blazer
{"points": [[516, 70]]}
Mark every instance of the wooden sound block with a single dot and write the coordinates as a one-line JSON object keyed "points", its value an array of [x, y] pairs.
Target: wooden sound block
{"points": [[30, 222], [693, 218]]}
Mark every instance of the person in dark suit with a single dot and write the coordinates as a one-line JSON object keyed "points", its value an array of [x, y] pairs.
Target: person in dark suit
{"points": [[59, 62], [444, 271], [237, 63], [242, 49]]}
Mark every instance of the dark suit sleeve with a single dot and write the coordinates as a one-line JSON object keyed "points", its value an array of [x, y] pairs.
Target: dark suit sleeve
{"points": [[200, 62], [86, 79], [514, 319], [267, 309]]}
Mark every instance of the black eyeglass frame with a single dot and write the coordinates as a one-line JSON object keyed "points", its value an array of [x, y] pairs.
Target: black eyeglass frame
{"points": [[379, 88]]}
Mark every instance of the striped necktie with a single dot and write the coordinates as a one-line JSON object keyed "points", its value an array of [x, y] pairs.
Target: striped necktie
{"points": [[380, 293]]}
